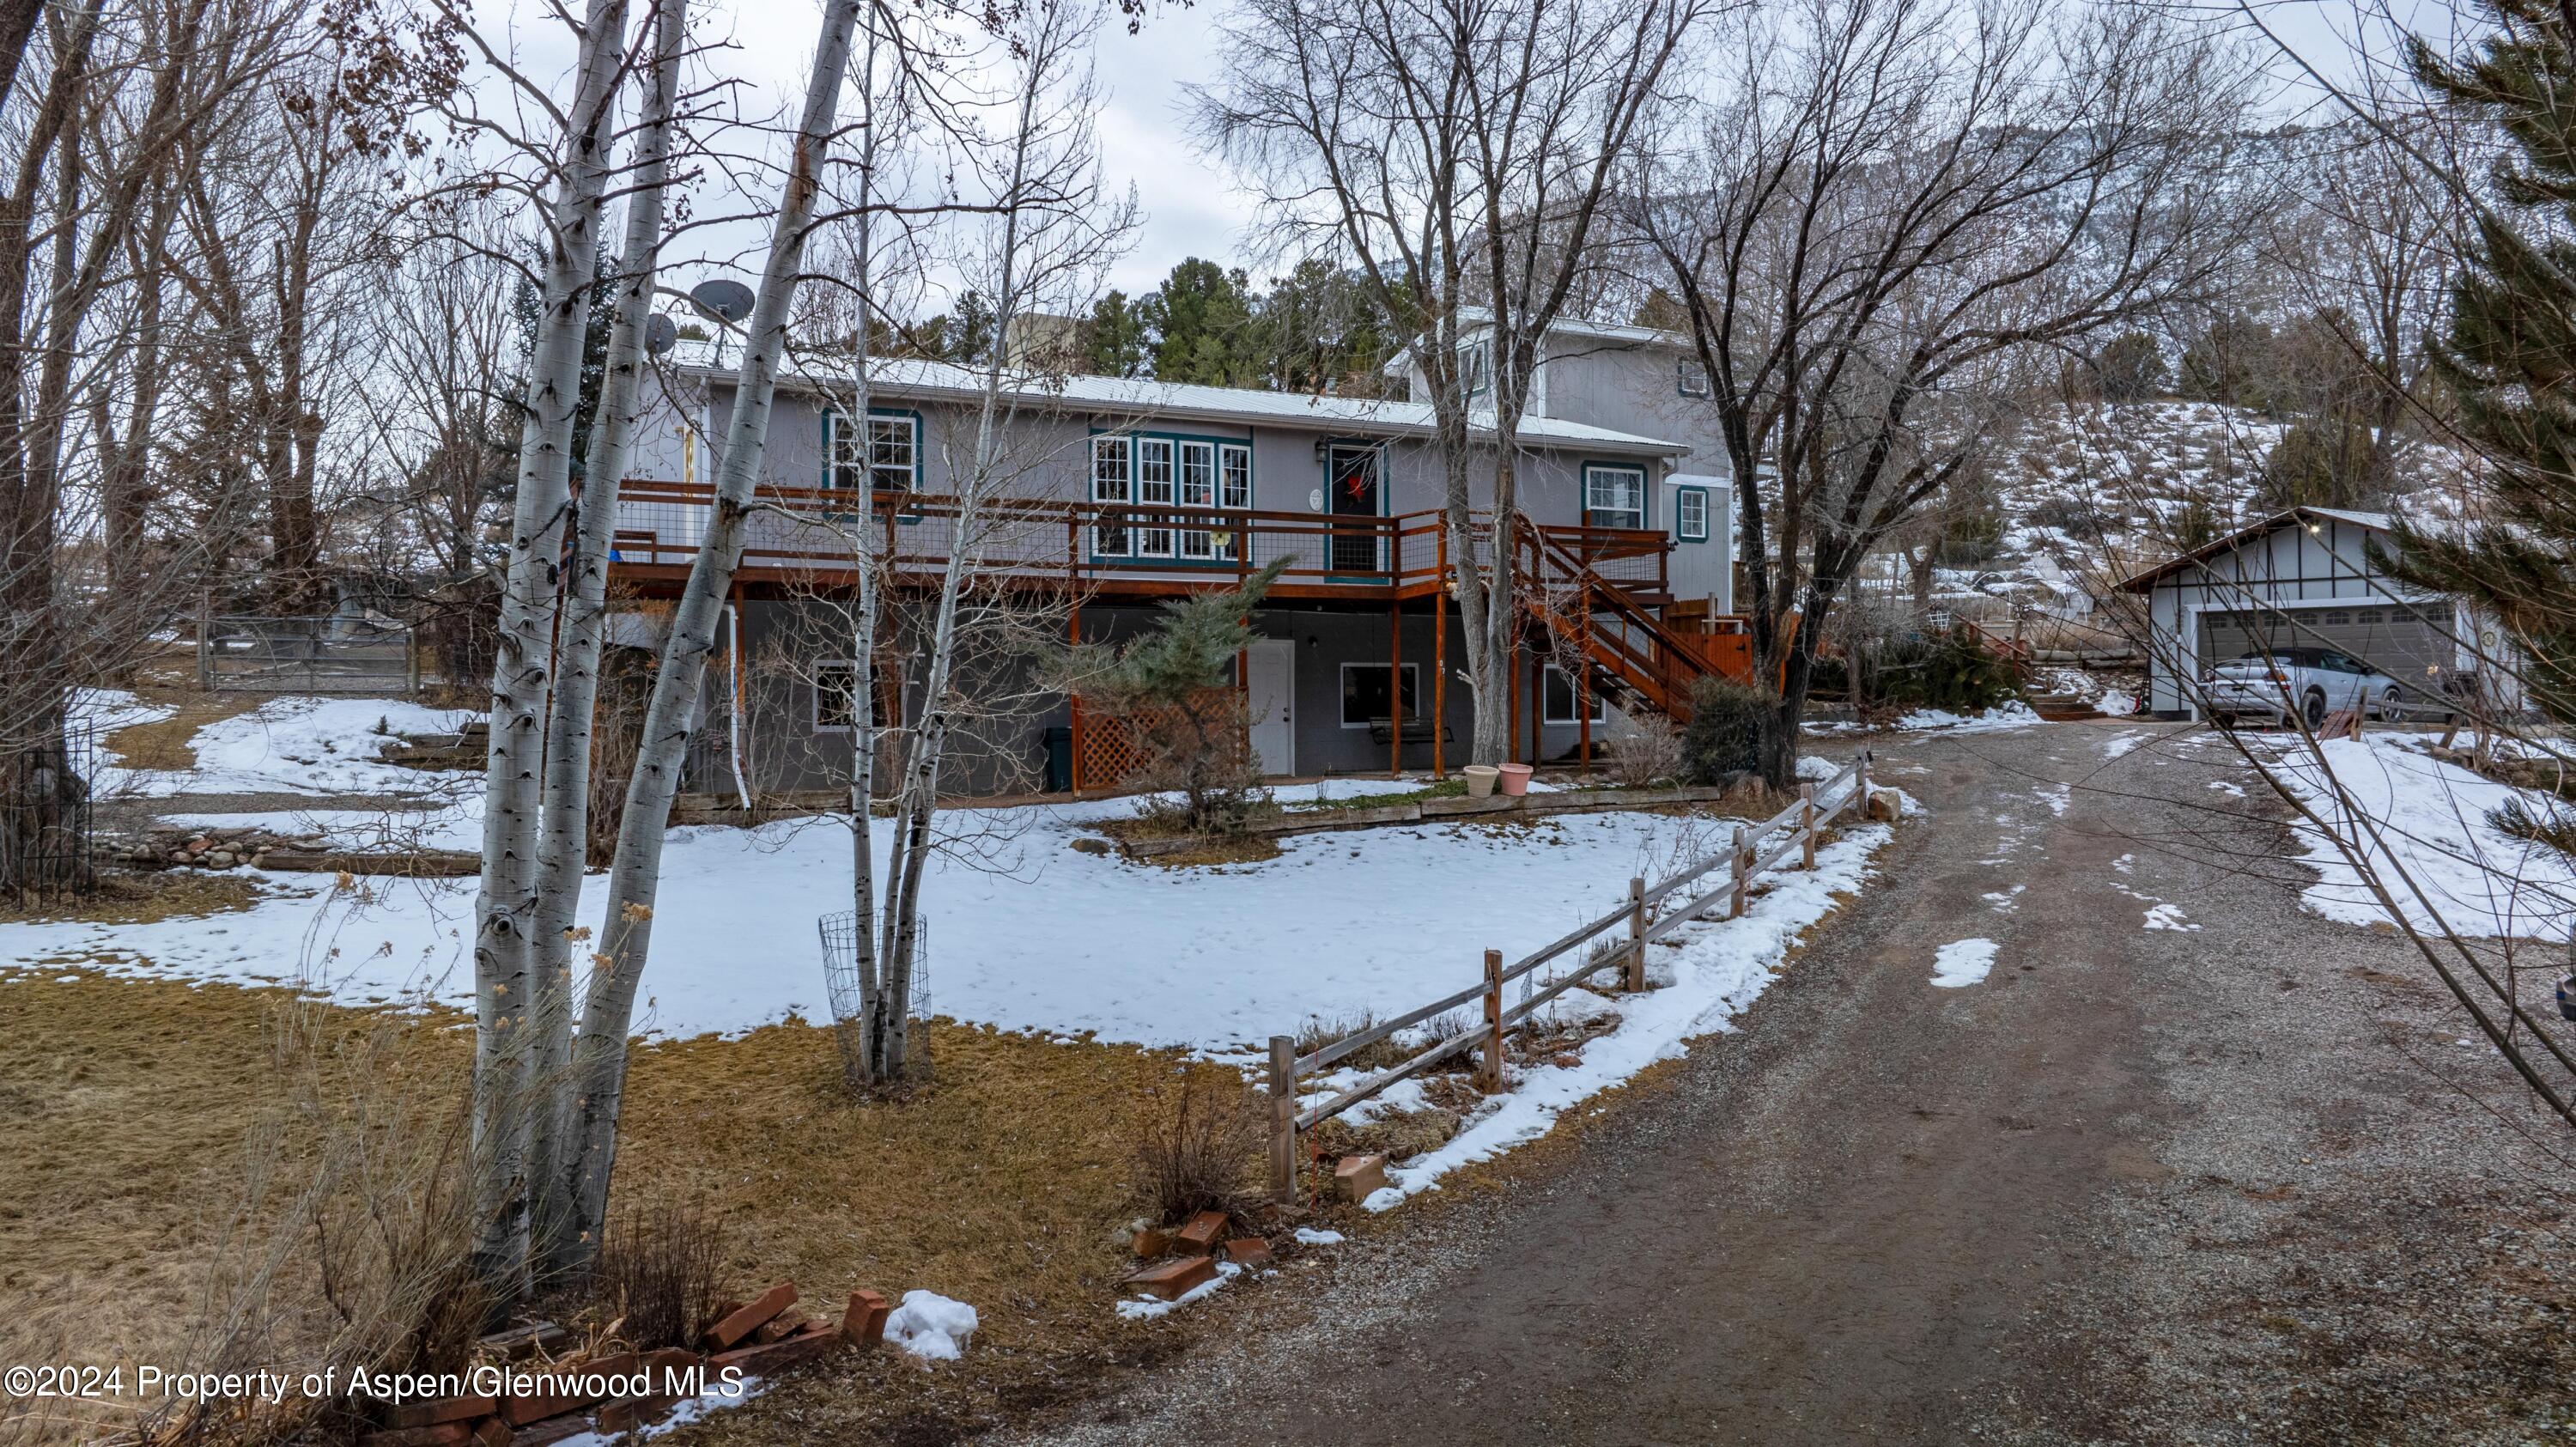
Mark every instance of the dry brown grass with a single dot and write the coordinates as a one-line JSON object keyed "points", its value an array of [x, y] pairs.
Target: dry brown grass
{"points": [[165, 745], [143, 899], [129, 1110]]}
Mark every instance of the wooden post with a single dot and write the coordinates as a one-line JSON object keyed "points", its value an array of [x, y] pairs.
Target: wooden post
{"points": [[1283, 1120], [1489, 1075], [206, 646], [1582, 681], [1636, 934], [1440, 654], [411, 661], [1860, 782], [1807, 824], [1742, 868], [1394, 683]]}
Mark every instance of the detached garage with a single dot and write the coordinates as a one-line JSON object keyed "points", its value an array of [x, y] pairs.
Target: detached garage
{"points": [[2301, 578]]}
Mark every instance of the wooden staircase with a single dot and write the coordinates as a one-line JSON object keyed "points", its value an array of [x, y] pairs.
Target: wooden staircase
{"points": [[1632, 652]]}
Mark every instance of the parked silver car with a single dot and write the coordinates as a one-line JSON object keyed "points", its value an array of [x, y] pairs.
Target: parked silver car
{"points": [[2312, 681]]}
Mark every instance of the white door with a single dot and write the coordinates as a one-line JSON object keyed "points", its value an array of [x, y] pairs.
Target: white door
{"points": [[1273, 704]]}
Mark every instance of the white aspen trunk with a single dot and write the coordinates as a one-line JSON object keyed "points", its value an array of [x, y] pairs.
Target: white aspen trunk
{"points": [[634, 878], [920, 799], [504, 909], [864, 1040], [563, 846]]}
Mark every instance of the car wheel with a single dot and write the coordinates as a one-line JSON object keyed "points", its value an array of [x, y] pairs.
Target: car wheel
{"points": [[2389, 703], [2316, 709]]}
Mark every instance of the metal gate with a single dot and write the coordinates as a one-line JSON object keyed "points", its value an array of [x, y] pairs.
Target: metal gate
{"points": [[307, 655]]}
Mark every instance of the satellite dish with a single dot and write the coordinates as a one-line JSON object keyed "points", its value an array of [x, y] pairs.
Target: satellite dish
{"points": [[726, 300], [660, 334]]}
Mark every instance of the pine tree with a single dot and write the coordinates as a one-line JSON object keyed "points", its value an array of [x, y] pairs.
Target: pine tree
{"points": [[2510, 354], [1204, 328], [1117, 342]]}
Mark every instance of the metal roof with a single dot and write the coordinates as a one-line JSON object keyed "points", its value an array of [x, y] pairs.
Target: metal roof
{"points": [[914, 379]]}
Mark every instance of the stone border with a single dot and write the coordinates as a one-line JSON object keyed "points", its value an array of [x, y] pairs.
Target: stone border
{"points": [[1434, 811]]}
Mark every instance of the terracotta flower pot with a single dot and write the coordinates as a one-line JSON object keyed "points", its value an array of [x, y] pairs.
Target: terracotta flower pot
{"points": [[1515, 780], [1480, 780]]}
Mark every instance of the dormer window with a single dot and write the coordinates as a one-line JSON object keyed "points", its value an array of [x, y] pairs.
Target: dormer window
{"points": [[1689, 377], [1475, 366]]}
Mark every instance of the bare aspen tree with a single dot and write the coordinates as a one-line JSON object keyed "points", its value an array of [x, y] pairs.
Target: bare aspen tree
{"points": [[563, 845], [504, 976], [883, 90], [1463, 155], [635, 875], [1044, 233]]}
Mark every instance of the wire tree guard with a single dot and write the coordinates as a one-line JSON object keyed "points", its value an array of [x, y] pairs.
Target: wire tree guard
{"points": [[840, 935]]}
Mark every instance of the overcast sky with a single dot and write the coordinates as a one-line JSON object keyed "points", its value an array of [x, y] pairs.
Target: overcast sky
{"points": [[1191, 208]]}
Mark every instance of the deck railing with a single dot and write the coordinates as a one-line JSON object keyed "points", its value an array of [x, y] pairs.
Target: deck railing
{"points": [[1160, 548]]}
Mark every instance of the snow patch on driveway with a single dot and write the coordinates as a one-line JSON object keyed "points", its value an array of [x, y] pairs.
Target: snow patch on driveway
{"points": [[1963, 962], [2166, 916], [2010, 716]]}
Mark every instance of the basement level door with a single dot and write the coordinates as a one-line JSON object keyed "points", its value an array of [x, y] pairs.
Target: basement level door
{"points": [[1273, 704]]}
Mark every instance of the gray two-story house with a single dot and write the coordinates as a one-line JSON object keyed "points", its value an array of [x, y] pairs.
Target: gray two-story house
{"points": [[1115, 494], [1647, 382]]}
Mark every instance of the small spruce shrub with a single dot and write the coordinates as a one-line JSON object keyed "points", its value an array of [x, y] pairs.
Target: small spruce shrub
{"points": [[1724, 735]]}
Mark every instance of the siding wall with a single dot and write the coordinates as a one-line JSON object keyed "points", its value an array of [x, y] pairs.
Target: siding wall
{"points": [[785, 750]]}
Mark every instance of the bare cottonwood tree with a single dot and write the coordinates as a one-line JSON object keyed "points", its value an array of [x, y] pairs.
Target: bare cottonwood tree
{"points": [[1886, 219], [96, 141], [1461, 154]]}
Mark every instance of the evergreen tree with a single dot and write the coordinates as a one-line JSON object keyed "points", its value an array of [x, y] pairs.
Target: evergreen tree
{"points": [[1203, 324], [2131, 368], [602, 304], [2510, 355], [1118, 340]]}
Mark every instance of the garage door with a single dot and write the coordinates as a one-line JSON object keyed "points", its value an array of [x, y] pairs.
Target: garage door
{"points": [[2408, 643]]}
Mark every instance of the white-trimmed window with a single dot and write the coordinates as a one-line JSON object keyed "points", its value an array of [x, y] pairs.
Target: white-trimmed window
{"points": [[1198, 490], [1614, 497], [1476, 366], [1690, 514], [1689, 377], [1556, 699], [1364, 693], [837, 686], [1112, 459], [890, 460], [1234, 473], [1154, 489]]}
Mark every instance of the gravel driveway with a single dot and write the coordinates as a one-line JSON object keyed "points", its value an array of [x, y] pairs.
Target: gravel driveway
{"points": [[2188, 1165]]}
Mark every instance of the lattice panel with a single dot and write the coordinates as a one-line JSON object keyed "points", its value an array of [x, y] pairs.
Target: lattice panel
{"points": [[1111, 747]]}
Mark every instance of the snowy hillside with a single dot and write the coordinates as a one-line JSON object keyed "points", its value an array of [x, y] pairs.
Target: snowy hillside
{"points": [[2097, 489]]}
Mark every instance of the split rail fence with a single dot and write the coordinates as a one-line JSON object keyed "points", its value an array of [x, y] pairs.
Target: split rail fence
{"points": [[1755, 848]]}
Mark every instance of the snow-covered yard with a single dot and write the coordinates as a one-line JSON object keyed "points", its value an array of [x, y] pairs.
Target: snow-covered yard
{"points": [[1025, 931], [289, 745], [2429, 820]]}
